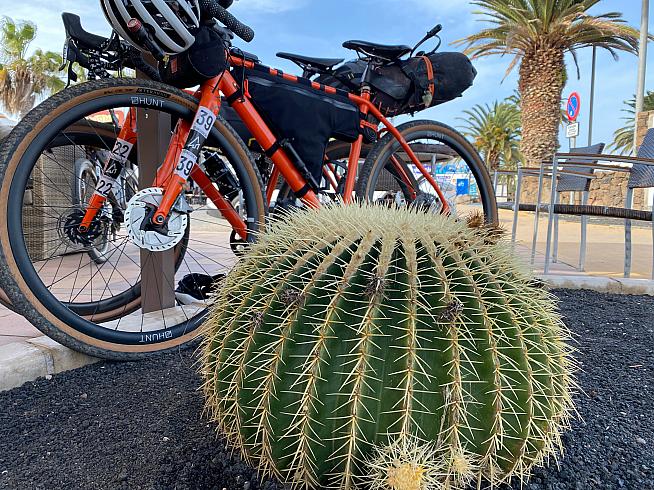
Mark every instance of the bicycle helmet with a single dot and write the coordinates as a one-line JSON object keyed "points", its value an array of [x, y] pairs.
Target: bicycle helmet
{"points": [[171, 23]]}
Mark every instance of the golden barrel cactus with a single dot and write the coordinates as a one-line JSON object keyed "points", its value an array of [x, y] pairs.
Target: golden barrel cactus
{"points": [[367, 347]]}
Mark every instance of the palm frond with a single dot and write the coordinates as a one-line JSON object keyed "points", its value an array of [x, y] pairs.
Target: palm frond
{"points": [[495, 131], [623, 138], [520, 27]]}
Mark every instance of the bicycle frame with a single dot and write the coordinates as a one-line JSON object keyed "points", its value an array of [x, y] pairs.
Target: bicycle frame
{"points": [[187, 141]]}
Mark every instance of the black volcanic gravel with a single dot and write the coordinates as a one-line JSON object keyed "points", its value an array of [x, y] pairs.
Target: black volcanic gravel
{"points": [[139, 426]]}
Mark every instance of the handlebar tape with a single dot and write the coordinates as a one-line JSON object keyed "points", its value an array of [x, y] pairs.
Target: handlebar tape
{"points": [[213, 8], [135, 59]]}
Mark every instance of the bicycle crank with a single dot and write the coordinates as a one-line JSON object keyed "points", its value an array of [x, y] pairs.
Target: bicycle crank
{"points": [[138, 222]]}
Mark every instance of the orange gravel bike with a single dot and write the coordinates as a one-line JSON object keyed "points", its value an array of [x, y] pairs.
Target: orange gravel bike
{"points": [[125, 307]]}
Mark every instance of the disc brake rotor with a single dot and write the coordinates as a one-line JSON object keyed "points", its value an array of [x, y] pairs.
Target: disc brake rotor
{"points": [[69, 228], [140, 209]]}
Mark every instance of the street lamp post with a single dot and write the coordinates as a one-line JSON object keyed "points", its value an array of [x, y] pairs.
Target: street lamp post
{"points": [[642, 60], [592, 97]]}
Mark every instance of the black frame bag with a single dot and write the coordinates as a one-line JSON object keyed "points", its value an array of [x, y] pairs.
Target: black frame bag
{"points": [[205, 59], [304, 117]]}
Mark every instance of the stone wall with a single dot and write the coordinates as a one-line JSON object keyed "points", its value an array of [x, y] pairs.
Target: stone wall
{"points": [[607, 189], [643, 123]]}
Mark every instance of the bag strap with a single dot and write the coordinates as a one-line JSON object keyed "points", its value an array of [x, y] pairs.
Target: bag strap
{"points": [[430, 75], [424, 90]]}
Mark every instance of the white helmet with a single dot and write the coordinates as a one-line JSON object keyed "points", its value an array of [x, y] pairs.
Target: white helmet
{"points": [[171, 23]]}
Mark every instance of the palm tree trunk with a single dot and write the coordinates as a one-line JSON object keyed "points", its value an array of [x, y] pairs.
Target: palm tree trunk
{"points": [[542, 74], [492, 160]]}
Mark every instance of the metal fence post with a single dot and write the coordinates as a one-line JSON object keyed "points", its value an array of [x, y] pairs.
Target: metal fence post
{"points": [[548, 244], [584, 226], [629, 201], [539, 198], [516, 205]]}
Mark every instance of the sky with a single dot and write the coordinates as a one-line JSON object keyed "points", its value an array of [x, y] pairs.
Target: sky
{"points": [[319, 27]]}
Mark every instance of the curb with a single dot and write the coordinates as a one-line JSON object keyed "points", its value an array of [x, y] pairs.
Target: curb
{"points": [[600, 284], [21, 362]]}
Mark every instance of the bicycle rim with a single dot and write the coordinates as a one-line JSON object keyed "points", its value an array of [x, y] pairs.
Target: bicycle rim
{"points": [[64, 285]]}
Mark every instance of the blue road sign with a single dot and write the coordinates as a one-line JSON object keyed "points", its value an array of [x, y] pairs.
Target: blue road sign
{"points": [[462, 187]]}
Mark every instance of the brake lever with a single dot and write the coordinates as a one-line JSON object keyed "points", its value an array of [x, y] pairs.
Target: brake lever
{"points": [[224, 33], [69, 58]]}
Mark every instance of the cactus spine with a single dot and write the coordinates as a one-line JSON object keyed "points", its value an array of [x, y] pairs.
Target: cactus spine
{"points": [[366, 347]]}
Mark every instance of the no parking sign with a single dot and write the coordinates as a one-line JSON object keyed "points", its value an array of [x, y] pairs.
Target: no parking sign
{"points": [[573, 106]]}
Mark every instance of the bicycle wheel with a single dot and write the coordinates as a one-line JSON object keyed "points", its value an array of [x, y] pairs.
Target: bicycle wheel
{"points": [[96, 308], [79, 141], [388, 175]]}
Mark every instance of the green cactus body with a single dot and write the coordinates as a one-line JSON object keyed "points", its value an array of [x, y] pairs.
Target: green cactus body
{"points": [[365, 347]]}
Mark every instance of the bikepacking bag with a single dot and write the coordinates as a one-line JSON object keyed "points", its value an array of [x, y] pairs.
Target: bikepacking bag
{"points": [[300, 116], [205, 59], [345, 77], [408, 86]]}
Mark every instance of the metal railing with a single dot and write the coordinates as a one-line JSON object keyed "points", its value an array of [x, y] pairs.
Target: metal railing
{"points": [[552, 171]]}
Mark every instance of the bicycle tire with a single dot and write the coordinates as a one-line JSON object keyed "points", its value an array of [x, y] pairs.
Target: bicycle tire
{"points": [[18, 278], [387, 146]]}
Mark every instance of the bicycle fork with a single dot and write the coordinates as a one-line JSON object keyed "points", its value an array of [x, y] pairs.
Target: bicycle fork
{"points": [[180, 164], [107, 181]]}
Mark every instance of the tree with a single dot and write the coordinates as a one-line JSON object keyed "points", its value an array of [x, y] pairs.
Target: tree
{"points": [[495, 132], [623, 138], [538, 34], [22, 78]]}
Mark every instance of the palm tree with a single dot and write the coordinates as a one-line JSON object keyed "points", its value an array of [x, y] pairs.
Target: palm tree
{"points": [[538, 34], [623, 138], [495, 132], [23, 79]]}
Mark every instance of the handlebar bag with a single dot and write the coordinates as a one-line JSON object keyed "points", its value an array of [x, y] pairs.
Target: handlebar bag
{"points": [[408, 86], [205, 59], [304, 117]]}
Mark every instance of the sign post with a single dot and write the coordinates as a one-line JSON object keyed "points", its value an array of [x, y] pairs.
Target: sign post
{"points": [[573, 107]]}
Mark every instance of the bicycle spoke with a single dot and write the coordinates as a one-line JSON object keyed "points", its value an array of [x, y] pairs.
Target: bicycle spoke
{"points": [[99, 277]]}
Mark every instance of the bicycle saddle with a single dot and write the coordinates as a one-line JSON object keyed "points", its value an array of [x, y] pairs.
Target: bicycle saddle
{"points": [[74, 29], [324, 64], [385, 51]]}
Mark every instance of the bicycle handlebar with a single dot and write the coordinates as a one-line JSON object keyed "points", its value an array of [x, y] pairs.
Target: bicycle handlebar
{"points": [[135, 60], [214, 9]]}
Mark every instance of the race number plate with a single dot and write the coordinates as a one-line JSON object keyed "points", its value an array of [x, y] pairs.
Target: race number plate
{"points": [[105, 185], [121, 150], [186, 162], [203, 122]]}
